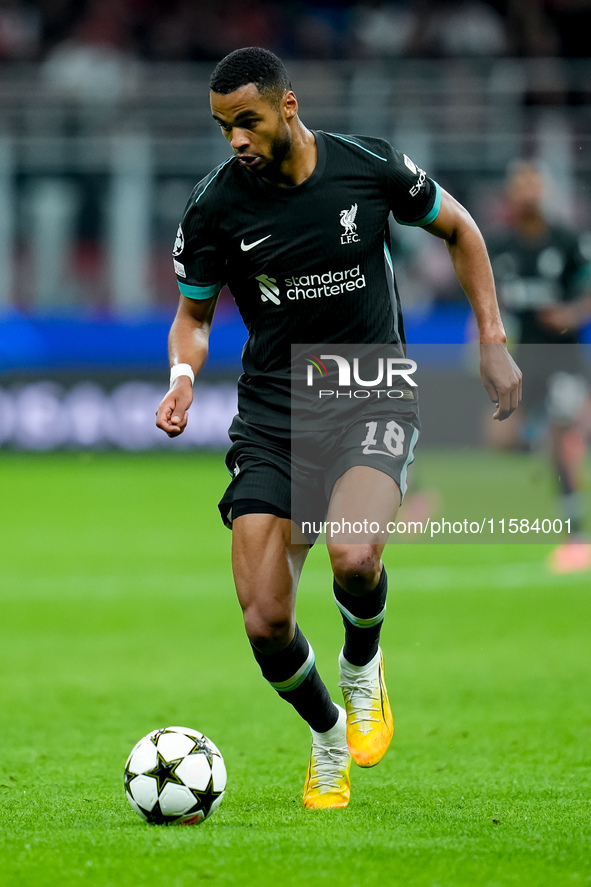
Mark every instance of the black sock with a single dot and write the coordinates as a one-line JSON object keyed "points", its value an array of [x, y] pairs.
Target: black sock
{"points": [[363, 615], [293, 674]]}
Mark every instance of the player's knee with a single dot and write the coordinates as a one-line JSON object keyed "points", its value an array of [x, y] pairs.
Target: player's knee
{"points": [[356, 567], [268, 633]]}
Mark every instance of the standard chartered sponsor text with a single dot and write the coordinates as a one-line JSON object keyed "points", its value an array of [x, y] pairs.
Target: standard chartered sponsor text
{"points": [[330, 283]]}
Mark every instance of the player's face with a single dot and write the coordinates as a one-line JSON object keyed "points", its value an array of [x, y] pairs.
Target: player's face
{"points": [[526, 189], [258, 132]]}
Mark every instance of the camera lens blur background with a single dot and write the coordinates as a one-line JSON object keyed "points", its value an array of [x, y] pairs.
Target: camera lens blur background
{"points": [[105, 128]]}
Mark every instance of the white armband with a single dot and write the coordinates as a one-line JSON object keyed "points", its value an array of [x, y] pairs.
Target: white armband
{"points": [[181, 369]]}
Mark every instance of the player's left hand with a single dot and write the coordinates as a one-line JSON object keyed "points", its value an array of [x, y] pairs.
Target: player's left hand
{"points": [[501, 377]]}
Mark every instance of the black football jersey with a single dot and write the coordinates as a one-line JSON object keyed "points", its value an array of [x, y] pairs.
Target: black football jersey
{"points": [[536, 273], [307, 264]]}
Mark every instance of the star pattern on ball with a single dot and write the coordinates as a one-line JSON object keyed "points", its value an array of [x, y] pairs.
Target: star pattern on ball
{"points": [[164, 772], [207, 797], [162, 790]]}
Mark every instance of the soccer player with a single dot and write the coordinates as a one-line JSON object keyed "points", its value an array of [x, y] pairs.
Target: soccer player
{"points": [[295, 222], [543, 275]]}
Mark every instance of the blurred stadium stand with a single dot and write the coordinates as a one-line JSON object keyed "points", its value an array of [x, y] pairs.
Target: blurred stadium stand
{"points": [[105, 128]]}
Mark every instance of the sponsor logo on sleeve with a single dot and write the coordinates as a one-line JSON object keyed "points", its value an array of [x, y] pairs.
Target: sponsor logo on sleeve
{"points": [[408, 162], [179, 243], [420, 183], [416, 171], [179, 268]]}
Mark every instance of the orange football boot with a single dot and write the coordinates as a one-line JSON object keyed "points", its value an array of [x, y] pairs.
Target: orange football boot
{"points": [[327, 782], [370, 725]]}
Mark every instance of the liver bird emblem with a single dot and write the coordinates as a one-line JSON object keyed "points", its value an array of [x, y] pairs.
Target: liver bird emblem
{"points": [[348, 219]]}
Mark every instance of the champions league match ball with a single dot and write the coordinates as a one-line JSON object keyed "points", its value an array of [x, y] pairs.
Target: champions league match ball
{"points": [[175, 775]]}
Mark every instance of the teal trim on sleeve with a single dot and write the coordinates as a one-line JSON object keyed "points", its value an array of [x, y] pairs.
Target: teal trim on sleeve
{"points": [[389, 262], [213, 178], [199, 292], [357, 145], [431, 215], [388, 255]]}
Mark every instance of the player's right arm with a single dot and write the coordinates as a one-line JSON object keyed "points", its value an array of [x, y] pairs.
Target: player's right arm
{"points": [[188, 343], [199, 267]]}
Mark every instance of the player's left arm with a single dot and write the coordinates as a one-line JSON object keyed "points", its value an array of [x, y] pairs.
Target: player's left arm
{"points": [[499, 372]]}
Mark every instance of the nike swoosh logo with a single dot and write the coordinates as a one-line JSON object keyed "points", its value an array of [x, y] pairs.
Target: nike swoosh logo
{"points": [[246, 246]]}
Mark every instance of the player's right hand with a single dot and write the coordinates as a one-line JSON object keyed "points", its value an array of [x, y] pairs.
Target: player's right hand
{"points": [[172, 413]]}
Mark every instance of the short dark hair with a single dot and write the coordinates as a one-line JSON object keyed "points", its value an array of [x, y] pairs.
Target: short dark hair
{"points": [[251, 65]]}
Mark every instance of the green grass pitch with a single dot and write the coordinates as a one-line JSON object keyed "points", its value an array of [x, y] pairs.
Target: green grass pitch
{"points": [[118, 616]]}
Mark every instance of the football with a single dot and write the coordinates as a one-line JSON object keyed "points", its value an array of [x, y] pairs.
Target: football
{"points": [[175, 775]]}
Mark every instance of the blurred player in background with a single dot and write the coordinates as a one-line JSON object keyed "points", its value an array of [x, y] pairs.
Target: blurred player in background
{"points": [[543, 276], [296, 222]]}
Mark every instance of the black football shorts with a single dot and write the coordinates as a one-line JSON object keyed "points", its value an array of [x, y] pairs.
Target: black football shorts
{"points": [[295, 473]]}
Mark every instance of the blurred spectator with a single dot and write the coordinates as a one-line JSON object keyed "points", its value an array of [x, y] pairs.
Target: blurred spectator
{"points": [[430, 29], [94, 62], [543, 278], [189, 31], [20, 30], [57, 19], [174, 34], [322, 30], [193, 30], [459, 28], [532, 30], [383, 29], [248, 23], [571, 21]]}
